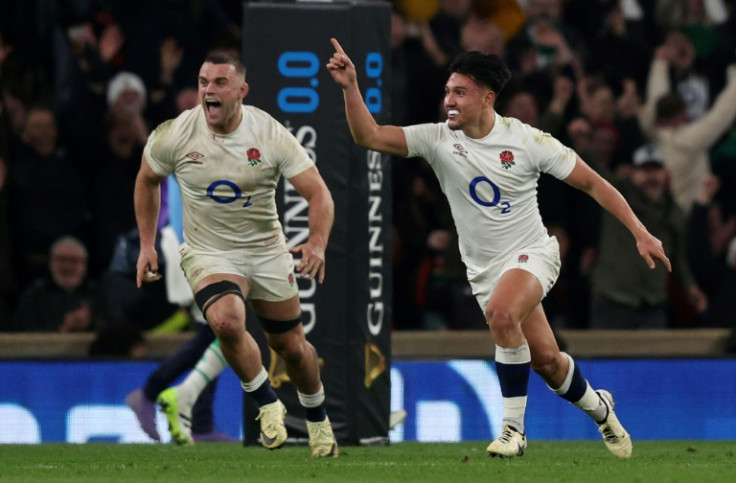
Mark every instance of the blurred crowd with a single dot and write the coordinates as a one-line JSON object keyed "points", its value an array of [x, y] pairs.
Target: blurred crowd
{"points": [[643, 90]]}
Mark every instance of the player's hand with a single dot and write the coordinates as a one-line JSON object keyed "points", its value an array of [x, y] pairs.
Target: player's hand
{"points": [[341, 67], [312, 264], [147, 267], [650, 249]]}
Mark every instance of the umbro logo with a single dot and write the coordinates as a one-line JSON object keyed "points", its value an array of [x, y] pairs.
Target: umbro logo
{"points": [[460, 150], [194, 157]]}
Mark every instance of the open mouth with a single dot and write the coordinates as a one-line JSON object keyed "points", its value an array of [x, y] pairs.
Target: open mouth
{"points": [[452, 112], [212, 105]]}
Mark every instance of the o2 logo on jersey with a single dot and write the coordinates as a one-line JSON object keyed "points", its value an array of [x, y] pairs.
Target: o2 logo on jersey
{"points": [[479, 184], [304, 66], [236, 193]]}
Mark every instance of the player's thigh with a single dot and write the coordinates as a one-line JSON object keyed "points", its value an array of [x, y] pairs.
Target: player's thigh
{"points": [[284, 310], [519, 281], [204, 268], [517, 293], [274, 289]]}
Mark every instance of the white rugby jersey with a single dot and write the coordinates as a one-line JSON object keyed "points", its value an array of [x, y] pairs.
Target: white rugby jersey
{"points": [[491, 183], [227, 182]]}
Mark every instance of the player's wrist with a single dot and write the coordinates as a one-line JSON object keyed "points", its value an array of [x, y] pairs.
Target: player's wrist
{"points": [[318, 240]]}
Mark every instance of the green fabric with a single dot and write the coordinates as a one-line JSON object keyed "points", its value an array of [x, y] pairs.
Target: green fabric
{"points": [[704, 39], [724, 153]]}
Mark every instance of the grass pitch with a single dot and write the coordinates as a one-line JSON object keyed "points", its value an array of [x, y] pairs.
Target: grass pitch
{"points": [[653, 461]]}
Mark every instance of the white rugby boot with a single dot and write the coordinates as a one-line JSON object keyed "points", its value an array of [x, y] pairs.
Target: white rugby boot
{"points": [[273, 430], [614, 435], [322, 441], [509, 444]]}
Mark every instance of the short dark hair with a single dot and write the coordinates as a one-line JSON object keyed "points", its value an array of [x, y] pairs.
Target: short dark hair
{"points": [[486, 69], [226, 57], [669, 106]]}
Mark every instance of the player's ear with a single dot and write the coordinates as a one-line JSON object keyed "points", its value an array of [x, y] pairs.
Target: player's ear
{"points": [[244, 89], [489, 98]]}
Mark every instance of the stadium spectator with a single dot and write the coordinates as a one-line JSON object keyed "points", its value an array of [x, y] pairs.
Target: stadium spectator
{"points": [[617, 35], [711, 250], [544, 47], [163, 93], [684, 143], [625, 294], [63, 301], [705, 26], [87, 50], [47, 195], [118, 160]]}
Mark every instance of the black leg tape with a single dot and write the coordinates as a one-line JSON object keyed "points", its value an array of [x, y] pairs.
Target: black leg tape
{"points": [[213, 292], [278, 326]]}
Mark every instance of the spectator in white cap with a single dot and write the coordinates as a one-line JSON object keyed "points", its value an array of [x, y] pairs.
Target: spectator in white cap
{"points": [[625, 296], [126, 91], [126, 101]]}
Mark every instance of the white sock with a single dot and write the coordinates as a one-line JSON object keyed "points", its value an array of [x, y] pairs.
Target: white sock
{"points": [[209, 367], [256, 382], [508, 362], [312, 400], [593, 406], [590, 402]]}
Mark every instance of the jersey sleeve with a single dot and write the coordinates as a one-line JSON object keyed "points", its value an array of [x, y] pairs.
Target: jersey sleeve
{"points": [[551, 155], [291, 157], [421, 140], [157, 153]]}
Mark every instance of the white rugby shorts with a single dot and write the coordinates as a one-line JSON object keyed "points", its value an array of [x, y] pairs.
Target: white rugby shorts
{"points": [[269, 272], [541, 260]]}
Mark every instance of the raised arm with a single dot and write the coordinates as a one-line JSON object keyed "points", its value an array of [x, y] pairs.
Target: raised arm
{"points": [[584, 178], [147, 199], [312, 187], [366, 132]]}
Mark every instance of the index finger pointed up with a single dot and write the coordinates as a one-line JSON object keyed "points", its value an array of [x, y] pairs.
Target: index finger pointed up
{"points": [[337, 45]]}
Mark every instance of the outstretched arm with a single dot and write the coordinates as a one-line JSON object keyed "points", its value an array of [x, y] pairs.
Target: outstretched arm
{"points": [[366, 132], [147, 199], [312, 187], [584, 178]]}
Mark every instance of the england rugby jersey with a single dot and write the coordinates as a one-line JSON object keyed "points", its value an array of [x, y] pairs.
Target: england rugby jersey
{"points": [[491, 183], [227, 182]]}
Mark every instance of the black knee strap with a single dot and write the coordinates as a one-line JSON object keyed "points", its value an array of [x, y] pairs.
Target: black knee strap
{"points": [[278, 326], [213, 292]]}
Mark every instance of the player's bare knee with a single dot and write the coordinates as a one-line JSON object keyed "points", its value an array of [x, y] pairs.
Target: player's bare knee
{"points": [[293, 352], [226, 322], [291, 349], [501, 322]]}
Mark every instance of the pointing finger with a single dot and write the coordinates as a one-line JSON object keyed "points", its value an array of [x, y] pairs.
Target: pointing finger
{"points": [[666, 262], [336, 45]]}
